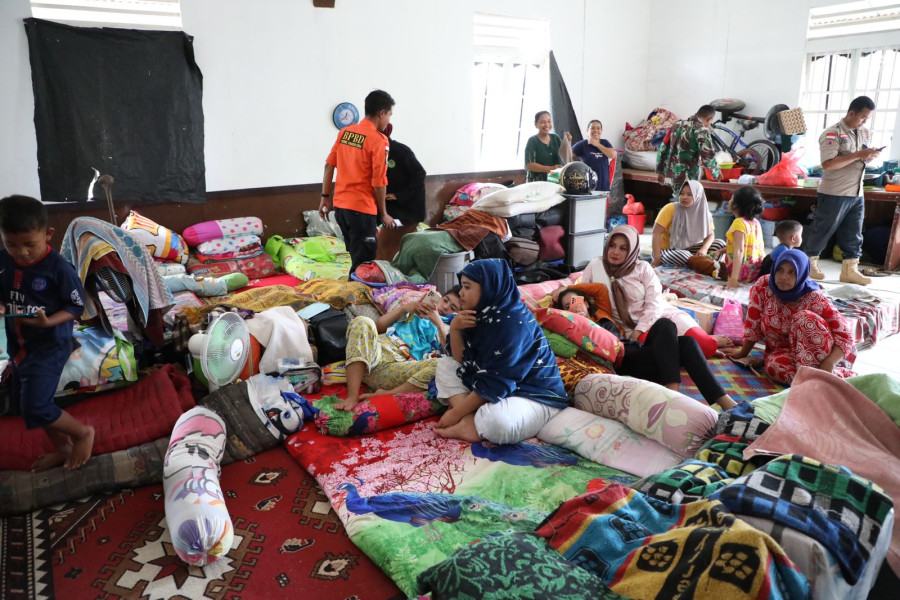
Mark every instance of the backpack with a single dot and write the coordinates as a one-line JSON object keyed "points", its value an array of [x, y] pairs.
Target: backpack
{"points": [[522, 252], [329, 330]]}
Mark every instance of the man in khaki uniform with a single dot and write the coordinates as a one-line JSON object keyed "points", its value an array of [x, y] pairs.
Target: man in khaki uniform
{"points": [[844, 149]]}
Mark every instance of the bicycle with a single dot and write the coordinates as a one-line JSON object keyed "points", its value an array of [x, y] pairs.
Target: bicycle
{"points": [[758, 156]]}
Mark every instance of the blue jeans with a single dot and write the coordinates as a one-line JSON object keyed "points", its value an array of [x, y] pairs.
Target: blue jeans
{"points": [[837, 214]]}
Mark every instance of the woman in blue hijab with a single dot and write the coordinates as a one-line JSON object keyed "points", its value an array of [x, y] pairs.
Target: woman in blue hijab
{"points": [[502, 383], [797, 321]]}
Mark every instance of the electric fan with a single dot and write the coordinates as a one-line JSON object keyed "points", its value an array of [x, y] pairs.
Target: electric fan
{"points": [[222, 349]]}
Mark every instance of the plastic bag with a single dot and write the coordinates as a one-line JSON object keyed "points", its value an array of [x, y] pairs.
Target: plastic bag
{"points": [[316, 226], [631, 207], [785, 173], [730, 321]]}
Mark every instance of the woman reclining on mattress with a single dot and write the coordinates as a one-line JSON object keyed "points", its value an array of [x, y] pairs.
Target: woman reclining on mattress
{"points": [[638, 290], [661, 352], [502, 383], [398, 352]]}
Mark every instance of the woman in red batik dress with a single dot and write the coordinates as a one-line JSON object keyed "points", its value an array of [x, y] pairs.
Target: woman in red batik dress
{"points": [[797, 321]]}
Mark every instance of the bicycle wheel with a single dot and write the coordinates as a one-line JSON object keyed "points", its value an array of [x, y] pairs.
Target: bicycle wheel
{"points": [[758, 157], [720, 145]]}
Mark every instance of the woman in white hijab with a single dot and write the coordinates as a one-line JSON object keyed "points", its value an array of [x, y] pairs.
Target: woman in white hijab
{"points": [[684, 228]]}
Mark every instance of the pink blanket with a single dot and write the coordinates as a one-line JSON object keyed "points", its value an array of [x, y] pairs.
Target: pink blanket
{"points": [[827, 419]]}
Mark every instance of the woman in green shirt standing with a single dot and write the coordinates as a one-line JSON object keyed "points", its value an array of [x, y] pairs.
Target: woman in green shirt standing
{"points": [[542, 152]]}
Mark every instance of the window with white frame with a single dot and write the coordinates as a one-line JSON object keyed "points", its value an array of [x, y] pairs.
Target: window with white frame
{"points": [[131, 14], [510, 84], [850, 58], [834, 80]]}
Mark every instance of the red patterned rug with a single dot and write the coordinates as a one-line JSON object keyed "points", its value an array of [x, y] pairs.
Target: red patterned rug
{"points": [[288, 543]]}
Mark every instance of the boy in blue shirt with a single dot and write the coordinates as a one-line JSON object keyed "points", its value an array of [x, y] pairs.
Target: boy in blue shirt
{"points": [[790, 234], [36, 281]]}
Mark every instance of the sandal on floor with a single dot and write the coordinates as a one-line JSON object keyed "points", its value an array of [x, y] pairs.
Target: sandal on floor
{"points": [[871, 272]]}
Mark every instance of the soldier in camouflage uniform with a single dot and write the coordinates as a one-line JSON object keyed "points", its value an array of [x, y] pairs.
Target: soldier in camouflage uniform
{"points": [[687, 145]]}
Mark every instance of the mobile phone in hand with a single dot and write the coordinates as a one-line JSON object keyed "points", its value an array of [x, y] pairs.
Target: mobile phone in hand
{"points": [[431, 299], [21, 315], [576, 304]]}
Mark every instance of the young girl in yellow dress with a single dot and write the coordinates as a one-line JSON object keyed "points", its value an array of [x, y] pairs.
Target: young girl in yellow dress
{"points": [[745, 248]]}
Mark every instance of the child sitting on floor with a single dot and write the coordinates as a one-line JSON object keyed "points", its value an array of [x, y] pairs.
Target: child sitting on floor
{"points": [[36, 281], [790, 234], [397, 352], [745, 247]]}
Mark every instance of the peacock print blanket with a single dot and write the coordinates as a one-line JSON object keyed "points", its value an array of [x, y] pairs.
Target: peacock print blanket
{"points": [[409, 498]]}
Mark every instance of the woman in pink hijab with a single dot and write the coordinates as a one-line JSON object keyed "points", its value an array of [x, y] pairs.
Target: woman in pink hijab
{"points": [[636, 293]]}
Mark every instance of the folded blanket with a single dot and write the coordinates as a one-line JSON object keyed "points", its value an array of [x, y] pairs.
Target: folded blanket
{"points": [[689, 481], [827, 419], [228, 245], [84, 233], [826, 502], [880, 388], [470, 228], [646, 548], [222, 228], [421, 251], [283, 335]]}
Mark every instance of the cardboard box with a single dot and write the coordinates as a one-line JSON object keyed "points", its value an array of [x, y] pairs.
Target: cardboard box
{"points": [[705, 314]]}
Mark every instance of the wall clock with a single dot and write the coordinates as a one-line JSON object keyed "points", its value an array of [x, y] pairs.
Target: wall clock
{"points": [[345, 114]]}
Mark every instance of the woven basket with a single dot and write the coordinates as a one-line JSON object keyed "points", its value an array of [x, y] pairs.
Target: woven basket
{"points": [[792, 121]]}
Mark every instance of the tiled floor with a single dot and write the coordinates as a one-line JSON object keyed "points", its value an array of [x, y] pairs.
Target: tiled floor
{"points": [[885, 356]]}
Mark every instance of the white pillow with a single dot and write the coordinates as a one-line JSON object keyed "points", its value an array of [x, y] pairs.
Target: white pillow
{"points": [[645, 161], [533, 197], [607, 442]]}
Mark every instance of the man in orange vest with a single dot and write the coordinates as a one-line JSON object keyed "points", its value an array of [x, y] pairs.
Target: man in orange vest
{"points": [[360, 155]]}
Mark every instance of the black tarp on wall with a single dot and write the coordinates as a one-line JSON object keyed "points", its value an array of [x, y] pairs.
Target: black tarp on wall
{"points": [[126, 102], [561, 110]]}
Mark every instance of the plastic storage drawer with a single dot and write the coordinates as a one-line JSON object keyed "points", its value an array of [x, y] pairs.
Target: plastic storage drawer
{"points": [[587, 213], [582, 247]]}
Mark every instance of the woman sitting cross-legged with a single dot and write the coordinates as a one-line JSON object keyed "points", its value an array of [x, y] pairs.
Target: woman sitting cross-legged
{"points": [[502, 383], [637, 300], [394, 353], [661, 355], [800, 325], [684, 228]]}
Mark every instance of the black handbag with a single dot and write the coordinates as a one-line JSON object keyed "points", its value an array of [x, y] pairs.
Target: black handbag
{"points": [[9, 397], [329, 332]]}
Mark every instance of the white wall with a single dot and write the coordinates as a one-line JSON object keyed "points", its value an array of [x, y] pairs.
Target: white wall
{"points": [[615, 66], [18, 146], [273, 72], [700, 50]]}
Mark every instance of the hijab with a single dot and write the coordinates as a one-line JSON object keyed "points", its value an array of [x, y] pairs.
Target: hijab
{"points": [[506, 353], [616, 272], [804, 284], [690, 225]]}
